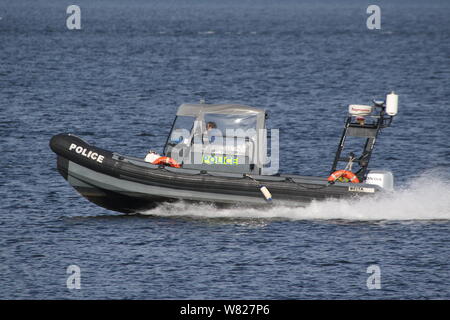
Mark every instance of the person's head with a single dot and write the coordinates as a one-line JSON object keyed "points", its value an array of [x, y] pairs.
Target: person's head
{"points": [[211, 125]]}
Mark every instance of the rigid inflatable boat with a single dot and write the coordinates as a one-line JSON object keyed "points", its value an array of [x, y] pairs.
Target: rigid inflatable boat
{"points": [[218, 153]]}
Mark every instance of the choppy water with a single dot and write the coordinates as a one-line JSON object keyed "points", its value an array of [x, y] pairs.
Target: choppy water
{"points": [[117, 83]]}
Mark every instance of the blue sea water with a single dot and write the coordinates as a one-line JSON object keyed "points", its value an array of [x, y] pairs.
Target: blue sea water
{"points": [[117, 83]]}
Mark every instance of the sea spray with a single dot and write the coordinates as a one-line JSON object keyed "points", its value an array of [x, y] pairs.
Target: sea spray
{"points": [[427, 197]]}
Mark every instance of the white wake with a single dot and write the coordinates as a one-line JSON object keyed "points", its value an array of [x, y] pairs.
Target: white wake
{"points": [[425, 198]]}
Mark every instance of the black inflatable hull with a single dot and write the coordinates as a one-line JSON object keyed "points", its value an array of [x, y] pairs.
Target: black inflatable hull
{"points": [[128, 184]]}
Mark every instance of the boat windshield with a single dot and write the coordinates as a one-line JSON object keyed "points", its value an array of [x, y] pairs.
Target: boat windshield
{"points": [[231, 124], [220, 137], [181, 129]]}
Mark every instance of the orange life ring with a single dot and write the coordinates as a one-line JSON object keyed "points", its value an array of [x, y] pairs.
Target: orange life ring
{"points": [[350, 176], [167, 161]]}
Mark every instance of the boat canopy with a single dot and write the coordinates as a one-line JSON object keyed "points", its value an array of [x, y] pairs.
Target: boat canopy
{"points": [[219, 137], [237, 109]]}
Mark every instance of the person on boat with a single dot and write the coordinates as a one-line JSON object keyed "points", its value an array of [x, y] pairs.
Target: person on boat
{"points": [[210, 126]]}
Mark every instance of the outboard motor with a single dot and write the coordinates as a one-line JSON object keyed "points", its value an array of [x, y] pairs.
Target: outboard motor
{"points": [[384, 179]]}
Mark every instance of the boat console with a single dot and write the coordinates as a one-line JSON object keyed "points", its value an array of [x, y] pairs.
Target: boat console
{"points": [[218, 138]]}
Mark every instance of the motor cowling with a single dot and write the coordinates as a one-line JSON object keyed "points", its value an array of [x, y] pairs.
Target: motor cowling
{"points": [[384, 179]]}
